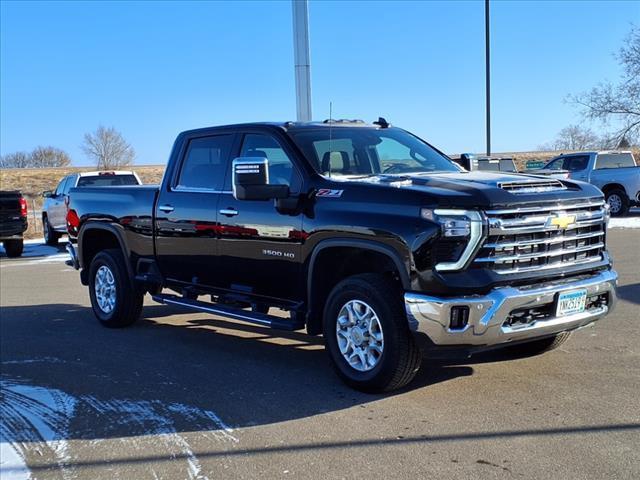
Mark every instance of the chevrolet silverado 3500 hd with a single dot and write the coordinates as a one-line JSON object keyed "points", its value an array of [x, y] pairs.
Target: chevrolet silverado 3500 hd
{"points": [[361, 232]]}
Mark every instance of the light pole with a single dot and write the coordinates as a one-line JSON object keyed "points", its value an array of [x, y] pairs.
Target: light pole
{"points": [[302, 59], [488, 73]]}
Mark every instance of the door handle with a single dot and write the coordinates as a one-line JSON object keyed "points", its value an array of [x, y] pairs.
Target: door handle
{"points": [[165, 208], [229, 212]]}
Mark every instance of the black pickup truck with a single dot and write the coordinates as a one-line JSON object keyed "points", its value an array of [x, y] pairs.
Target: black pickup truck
{"points": [[361, 232], [13, 222]]}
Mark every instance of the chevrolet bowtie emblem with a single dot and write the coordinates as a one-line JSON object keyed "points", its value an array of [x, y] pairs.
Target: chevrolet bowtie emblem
{"points": [[561, 221]]}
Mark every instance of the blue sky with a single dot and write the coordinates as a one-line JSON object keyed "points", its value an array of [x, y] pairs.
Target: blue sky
{"points": [[153, 69]]}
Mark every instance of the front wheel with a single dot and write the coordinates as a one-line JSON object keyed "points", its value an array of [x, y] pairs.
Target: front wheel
{"points": [[51, 237], [367, 336], [13, 247], [618, 202], [115, 300]]}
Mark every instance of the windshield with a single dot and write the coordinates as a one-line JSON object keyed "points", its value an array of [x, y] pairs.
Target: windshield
{"points": [[367, 151], [107, 180]]}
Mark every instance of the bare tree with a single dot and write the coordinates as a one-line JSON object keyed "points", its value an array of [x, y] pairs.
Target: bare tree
{"points": [[15, 160], [618, 103], [108, 149], [573, 137], [44, 157]]}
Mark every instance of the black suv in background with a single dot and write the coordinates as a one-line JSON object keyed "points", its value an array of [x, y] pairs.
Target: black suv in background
{"points": [[13, 222], [361, 232]]}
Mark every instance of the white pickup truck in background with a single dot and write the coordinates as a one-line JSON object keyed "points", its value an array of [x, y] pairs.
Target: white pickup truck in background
{"points": [[54, 208], [616, 173]]}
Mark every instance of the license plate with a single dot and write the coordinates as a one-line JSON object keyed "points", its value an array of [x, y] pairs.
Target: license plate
{"points": [[571, 302]]}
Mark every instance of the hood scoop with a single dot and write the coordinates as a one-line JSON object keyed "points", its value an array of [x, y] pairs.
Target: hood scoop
{"points": [[535, 186]]}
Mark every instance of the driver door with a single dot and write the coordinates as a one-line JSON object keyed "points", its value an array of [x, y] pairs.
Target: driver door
{"points": [[259, 247]]}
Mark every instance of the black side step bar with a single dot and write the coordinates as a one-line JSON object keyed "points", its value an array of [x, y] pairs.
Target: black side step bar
{"points": [[230, 312]]}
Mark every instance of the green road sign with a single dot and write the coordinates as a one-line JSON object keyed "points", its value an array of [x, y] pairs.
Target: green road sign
{"points": [[535, 164]]}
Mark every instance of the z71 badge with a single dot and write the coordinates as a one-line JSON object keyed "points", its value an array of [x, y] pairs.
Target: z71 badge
{"points": [[327, 192]]}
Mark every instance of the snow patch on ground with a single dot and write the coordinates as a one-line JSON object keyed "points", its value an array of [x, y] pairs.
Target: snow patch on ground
{"points": [[34, 415], [36, 421], [625, 222]]}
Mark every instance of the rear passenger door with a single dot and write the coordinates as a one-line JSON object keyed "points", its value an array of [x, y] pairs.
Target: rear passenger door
{"points": [[260, 247], [186, 211]]}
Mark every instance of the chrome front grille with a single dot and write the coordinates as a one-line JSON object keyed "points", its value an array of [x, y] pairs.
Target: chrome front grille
{"points": [[543, 237]]}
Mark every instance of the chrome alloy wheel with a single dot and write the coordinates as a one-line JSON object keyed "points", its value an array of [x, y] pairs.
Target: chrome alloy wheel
{"points": [[105, 288], [359, 335], [615, 202]]}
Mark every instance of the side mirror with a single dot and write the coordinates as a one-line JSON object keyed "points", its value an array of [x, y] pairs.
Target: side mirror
{"points": [[47, 194], [251, 180]]}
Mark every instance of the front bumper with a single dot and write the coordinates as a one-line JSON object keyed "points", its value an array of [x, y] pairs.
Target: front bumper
{"points": [[487, 313]]}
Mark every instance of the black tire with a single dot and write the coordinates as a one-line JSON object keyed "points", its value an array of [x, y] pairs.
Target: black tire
{"points": [[538, 347], [400, 358], [618, 202], [13, 247], [128, 297], [51, 237]]}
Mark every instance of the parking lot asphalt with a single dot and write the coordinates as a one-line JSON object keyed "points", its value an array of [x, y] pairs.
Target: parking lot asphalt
{"points": [[184, 395]]}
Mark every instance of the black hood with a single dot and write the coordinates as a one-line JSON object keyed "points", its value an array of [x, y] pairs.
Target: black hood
{"points": [[486, 189]]}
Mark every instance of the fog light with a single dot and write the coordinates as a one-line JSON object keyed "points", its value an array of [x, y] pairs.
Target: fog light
{"points": [[459, 318]]}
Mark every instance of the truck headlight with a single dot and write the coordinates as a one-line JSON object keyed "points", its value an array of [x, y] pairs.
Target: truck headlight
{"points": [[455, 224]]}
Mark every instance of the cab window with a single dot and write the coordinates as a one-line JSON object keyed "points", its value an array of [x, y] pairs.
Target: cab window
{"points": [[281, 169], [60, 187], [205, 162], [556, 164], [575, 164], [69, 184]]}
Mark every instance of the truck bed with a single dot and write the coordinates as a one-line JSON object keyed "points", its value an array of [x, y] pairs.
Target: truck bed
{"points": [[115, 203]]}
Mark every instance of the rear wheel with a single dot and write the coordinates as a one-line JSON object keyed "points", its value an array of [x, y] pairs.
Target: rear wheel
{"points": [[367, 336], [115, 300], [13, 247], [618, 202], [51, 237]]}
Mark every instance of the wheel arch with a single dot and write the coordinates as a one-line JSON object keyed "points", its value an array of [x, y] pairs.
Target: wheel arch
{"points": [[353, 256], [96, 237], [612, 186]]}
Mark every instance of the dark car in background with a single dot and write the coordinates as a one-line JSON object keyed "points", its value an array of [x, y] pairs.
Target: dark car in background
{"points": [[13, 222]]}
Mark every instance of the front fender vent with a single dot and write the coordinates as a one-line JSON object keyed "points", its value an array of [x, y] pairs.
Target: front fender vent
{"points": [[536, 186]]}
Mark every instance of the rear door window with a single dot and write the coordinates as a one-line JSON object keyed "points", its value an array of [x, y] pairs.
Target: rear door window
{"points": [[575, 164], [205, 163]]}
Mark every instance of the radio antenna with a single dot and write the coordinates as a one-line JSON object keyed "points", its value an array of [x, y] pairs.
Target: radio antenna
{"points": [[330, 134]]}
